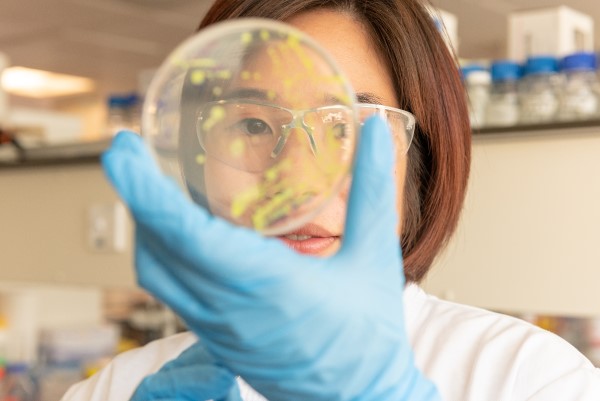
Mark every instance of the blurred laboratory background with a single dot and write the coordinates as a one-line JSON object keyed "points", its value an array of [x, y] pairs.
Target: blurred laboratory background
{"points": [[74, 72]]}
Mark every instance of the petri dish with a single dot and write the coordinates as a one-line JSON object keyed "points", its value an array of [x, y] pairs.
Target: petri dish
{"points": [[255, 122]]}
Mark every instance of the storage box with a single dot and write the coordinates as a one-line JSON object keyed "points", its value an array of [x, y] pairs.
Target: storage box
{"points": [[556, 31], [52, 127]]}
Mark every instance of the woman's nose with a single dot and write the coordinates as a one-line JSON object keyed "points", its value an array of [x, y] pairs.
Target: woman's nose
{"points": [[297, 146]]}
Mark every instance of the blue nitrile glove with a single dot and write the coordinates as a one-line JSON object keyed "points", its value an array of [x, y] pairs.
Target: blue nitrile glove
{"points": [[295, 327], [192, 376]]}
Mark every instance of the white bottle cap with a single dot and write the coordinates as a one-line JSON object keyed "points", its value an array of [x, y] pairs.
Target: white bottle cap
{"points": [[479, 78]]}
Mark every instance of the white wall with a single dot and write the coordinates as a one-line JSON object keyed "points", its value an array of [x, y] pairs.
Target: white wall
{"points": [[529, 239], [44, 235]]}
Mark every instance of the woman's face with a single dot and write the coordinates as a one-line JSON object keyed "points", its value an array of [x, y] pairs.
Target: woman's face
{"points": [[352, 49]]}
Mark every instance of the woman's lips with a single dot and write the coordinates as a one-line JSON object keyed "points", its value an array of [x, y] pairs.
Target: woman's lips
{"points": [[310, 239], [312, 246]]}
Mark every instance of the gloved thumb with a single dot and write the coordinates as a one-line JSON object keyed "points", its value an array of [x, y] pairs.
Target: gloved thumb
{"points": [[192, 376], [372, 217], [189, 383]]}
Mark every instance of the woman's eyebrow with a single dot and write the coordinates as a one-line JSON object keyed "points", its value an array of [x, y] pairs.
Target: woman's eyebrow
{"points": [[247, 93], [361, 97], [259, 94], [368, 97]]}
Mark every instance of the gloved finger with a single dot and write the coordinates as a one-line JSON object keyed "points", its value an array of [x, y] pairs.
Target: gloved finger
{"points": [[157, 276], [234, 394], [202, 304], [160, 206], [195, 354], [372, 200], [136, 177], [189, 383], [132, 142]]}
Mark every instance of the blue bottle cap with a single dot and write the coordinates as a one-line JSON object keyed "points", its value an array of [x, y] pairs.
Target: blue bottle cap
{"points": [[126, 100], [16, 368], [540, 65], [118, 101], [133, 99], [582, 61], [505, 70]]}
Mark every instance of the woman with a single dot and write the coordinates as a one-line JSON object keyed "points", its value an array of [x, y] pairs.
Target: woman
{"points": [[344, 326]]}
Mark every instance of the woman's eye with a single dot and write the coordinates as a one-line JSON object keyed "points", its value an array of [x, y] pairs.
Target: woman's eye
{"points": [[339, 131], [254, 126]]}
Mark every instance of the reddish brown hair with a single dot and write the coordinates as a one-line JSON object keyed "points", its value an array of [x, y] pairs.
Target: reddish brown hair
{"points": [[426, 83]]}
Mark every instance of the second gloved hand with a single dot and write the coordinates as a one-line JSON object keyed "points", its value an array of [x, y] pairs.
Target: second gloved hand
{"points": [[192, 376], [295, 327]]}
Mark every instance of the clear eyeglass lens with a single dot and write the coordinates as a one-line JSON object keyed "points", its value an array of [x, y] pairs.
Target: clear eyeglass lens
{"points": [[240, 134], [400, 125], [245, 134]]}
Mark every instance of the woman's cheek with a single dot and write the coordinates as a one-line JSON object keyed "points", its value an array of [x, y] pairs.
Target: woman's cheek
{"points": [[223, 185]]}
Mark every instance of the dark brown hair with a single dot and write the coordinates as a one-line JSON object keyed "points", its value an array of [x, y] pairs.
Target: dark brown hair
{"points": [[426, 83]]}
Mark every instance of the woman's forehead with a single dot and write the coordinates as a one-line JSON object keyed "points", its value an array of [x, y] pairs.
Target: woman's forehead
{"points": [[352, 48], [293, 75]]}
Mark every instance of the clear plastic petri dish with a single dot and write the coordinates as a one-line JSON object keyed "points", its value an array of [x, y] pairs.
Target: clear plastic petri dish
{"points": [[256, 123]]}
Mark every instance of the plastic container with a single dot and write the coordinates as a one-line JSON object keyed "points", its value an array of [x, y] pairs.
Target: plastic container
{"points": [[123, 113], [578, 97], [503, 104], [538, 90], [134, 112], [68, 347], [477, 80], [18, 386]]}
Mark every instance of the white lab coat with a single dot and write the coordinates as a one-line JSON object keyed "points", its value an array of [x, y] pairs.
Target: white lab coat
{"points": [[471, 354]]}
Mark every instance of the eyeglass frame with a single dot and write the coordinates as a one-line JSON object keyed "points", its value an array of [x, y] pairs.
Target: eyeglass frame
{"points": [[409, 126], [298, 116]]}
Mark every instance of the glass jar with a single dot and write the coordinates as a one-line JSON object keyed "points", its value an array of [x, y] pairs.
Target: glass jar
{"points": [[477, 80], [578, 97], [123, 113], [118, 114], [538, 90], [503, 104]]}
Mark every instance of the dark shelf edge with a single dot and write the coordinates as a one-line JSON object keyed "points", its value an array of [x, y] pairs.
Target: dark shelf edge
{"points": [[595, 123], [51, 162], [59, 155]]}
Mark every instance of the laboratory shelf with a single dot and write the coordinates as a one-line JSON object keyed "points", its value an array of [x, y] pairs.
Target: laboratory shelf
{"points": [[89, 152], [64, 154]]}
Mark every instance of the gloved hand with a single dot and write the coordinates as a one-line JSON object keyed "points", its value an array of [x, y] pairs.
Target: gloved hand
{"points": [[192, 376], [295, 327]]}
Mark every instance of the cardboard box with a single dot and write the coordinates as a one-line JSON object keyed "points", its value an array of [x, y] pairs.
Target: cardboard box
{"points": [[556, 31]]}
